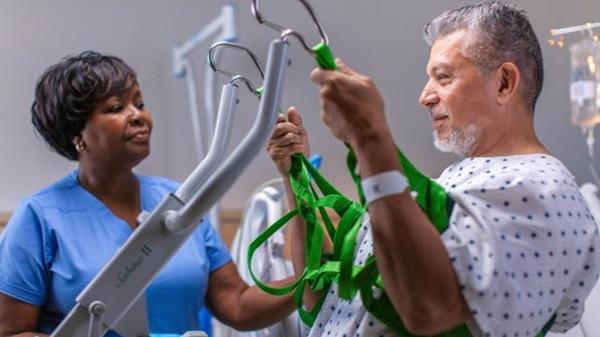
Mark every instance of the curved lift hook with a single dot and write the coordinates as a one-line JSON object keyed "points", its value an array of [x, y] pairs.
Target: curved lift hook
{"points": [[235, 77], [285, 32]]}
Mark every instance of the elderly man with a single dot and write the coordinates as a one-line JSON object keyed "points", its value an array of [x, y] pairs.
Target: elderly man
{"points": [[521, 251]]}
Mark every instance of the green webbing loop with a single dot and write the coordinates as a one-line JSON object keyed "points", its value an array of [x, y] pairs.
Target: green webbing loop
{"points": [[259, 241], [547, 327], [324, 56], [352, 165], [259, 92], [346, 289]]}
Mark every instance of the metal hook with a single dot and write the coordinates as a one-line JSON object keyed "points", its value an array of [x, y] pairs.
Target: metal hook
{"points": [[289, 32], [286, 32], [261, 19], [249, 85], [234, 77]]}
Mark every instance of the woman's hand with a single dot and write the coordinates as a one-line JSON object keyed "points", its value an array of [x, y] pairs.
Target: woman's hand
{"points": [[288, 138]]}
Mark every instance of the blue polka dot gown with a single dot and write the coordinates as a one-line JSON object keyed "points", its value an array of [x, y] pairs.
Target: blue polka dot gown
{"points": [[522, 242]]}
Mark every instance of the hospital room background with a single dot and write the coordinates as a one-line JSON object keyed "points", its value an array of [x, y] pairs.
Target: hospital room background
{"points": [[381, 38]]}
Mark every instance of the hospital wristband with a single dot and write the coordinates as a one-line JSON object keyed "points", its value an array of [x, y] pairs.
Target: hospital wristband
{"points": [[383, 184]]}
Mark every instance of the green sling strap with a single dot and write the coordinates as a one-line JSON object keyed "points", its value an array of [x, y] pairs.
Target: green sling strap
{"points": [[322, 270]]}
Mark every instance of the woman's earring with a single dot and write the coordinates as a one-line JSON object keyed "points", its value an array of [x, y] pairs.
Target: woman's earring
{"points": [[80, 147]]}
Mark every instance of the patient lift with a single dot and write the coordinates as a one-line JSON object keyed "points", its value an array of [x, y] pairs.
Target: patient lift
{"points": [[265, 205], [224, 28], [114, 300]]}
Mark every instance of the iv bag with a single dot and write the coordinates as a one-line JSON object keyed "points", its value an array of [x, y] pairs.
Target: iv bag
{"points": [[585, 83]]}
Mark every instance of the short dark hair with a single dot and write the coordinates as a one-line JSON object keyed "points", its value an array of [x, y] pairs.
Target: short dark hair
{"points": [[67, 93], [504, 35]]}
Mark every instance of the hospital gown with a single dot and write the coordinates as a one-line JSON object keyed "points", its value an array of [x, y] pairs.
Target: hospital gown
{"points": [[522, 242]]}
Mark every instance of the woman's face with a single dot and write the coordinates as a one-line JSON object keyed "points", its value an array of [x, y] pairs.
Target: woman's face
{"points": [[117, 133]]}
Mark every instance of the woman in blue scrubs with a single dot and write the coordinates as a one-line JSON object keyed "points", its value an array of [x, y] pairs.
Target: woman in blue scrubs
{"points": [[89, 108]]}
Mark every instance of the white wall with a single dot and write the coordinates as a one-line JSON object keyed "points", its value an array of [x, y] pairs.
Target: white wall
{"points": [[381, 38]]}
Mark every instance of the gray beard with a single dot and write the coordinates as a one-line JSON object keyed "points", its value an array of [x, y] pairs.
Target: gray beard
{"points": [[460, 141]]}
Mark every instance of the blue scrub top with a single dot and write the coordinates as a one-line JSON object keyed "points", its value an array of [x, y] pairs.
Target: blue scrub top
{"points": [[58, 239]]}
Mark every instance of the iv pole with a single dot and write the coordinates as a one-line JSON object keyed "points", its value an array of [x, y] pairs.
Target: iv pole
{"points": [[224, 28], [560, 43], [574, 29]]}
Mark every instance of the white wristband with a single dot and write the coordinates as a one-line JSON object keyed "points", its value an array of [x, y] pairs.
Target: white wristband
{"points": [[383, 184]]}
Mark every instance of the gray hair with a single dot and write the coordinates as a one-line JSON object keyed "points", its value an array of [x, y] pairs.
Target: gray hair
{"points": [[504, 34]]}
